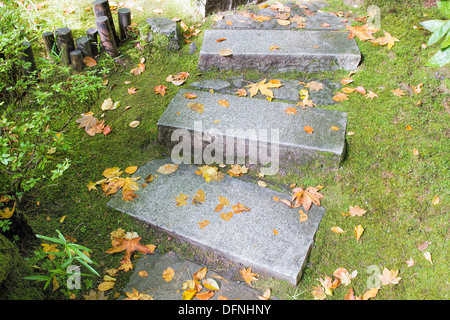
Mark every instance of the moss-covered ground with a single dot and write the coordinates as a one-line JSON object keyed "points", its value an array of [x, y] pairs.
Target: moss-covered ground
{"points": [[380, 173]]}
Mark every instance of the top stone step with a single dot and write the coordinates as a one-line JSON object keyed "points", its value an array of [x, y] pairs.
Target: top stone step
{"points": [[278, 50]]}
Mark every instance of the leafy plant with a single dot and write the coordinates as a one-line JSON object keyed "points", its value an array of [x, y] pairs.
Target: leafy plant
{"points": [[440, 29], [55, 262]]}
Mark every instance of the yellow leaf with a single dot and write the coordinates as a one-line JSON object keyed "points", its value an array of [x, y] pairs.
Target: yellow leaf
{"points": [[203, 223], [358, 231], [111, 173], [195, 106], [224, 201], [199, 197], [226, 52], [134, 124], [62, 219], [275, 232], [7, 213], [224, 103], [435, 200], [200, 274], [211, 284], [248, 275], [334, 128], [189, 294], [427, 256], [226, 216], [143, 273], [303, 216], [168, 274], [337, 230], [131, 170], [209, 173], [372, 293], [167, 168], [181, 200], [105, 286]]}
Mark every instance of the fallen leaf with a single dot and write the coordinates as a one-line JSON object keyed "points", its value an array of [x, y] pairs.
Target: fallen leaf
{"points": [[105, 286], [161, 89], [314, 86], [266, 295], [389, 276], [364, 32], [372, 293], [190, 95], [386, 40], [410, 262], [205, 295], [203, 223], [303, 216], [334, 128], [211, 284], [189, 294], [361, 90], [308, 129], [199, 197], [224, 103], [427, 256], [435, 200], [131, 170], [134, 124], [221, 40], [263, 87], [248, 275], [290, 110], [318, 293], [415, 152], [356, 211], [168, 274], [343, 275], [226, 216], [226, 52], [129, 246], [237, 170], [143, 273], [337, 230], [340, 96], [271, 48], [89, 61], [358, 231], [135, 295], [181, 200], [178, 79], [371, 95], [167, 168], [138, 70], [195, 106], [346, 81], [398, 92], [417, 89], [239, 208], [200, 274], [132, 90], [306, 197], [209, 173], [262, 184]]}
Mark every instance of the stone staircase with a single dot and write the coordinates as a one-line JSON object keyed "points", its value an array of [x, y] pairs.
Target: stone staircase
{"points": [[269, 237]]}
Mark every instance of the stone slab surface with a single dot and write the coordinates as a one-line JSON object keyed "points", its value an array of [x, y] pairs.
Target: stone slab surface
{"points": [[297, 50], [247, 238], [159, 289], [295, 145]]}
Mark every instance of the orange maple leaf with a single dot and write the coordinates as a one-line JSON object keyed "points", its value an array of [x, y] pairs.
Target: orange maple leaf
{"points": [[306, 197], [129, 246], [161, 89]]}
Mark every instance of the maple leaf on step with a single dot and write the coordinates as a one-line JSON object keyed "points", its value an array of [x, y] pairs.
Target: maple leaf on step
{"points": [[129, 246], [306, 197], [209, 173], [264, 87]]}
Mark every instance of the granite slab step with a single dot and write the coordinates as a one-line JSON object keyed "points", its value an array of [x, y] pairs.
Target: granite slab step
{"points": [[250, 130], [297, 50], [160, 289], [247, 238]]}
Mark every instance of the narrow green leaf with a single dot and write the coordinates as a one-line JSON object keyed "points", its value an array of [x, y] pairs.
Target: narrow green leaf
{"points": [[444, 7]]}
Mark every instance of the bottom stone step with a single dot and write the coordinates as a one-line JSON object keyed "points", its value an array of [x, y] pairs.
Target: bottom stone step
{"points": [[268, 238]]}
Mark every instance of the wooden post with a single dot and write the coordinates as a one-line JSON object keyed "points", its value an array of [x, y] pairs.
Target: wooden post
{"points": [[64, 40], [106, 36], [76, 56], [92, 34], [124, 22], [84, 45], [28, 56], [101, 8], [50, 44]]}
